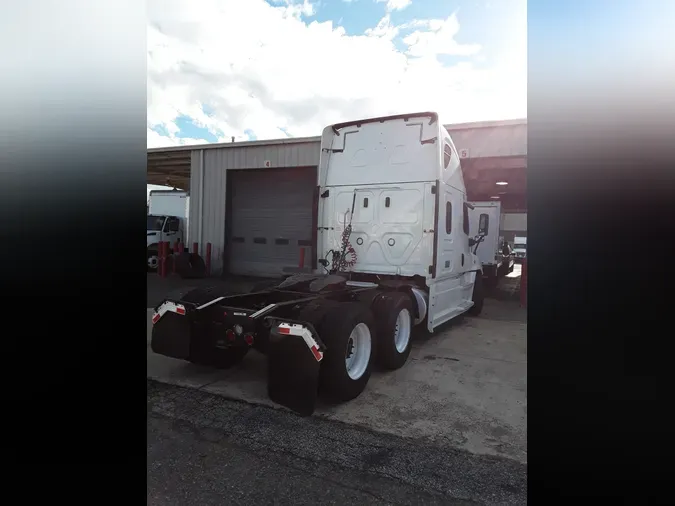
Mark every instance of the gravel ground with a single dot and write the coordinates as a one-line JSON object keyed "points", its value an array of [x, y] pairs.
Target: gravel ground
{"points": [[204, 449]]}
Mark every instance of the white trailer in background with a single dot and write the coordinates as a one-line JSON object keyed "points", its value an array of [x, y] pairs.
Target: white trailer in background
{"points": [[167, 221], [520, 248], [496, 261]]}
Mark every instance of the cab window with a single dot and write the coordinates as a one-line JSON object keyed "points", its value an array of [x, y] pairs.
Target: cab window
{"points": [[448, 218], [466, 219], [447, 155]]}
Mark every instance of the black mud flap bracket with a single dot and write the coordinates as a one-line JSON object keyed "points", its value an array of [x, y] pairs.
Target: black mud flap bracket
{"points": [[294, 361]]}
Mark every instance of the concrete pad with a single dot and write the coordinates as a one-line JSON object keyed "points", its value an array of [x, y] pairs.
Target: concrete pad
{"points": [[465, 385]]}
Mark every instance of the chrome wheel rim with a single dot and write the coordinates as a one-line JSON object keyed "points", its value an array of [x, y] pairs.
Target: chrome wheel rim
{"points": [[357, 355], [402, 330]]}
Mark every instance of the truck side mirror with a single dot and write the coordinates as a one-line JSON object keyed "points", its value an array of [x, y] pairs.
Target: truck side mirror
{"points": [[472, 242], [483, 224]]}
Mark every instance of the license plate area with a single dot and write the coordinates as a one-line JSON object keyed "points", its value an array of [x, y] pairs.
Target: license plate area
{"points": [[223, 327]]}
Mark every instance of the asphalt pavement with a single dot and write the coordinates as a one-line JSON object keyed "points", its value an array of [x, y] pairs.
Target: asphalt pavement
{"points": [[205, 449]]}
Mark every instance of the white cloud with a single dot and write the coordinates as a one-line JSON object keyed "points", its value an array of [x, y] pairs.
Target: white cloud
{"points": [[384, 29], [261, 67], [438, 37], [395, 5]]}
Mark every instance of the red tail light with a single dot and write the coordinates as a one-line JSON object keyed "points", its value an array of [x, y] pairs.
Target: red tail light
{"points": [[249, 339], [230, 334]]}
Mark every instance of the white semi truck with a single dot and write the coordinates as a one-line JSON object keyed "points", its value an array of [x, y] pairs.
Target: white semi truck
{"points": [[394, 249], [496, 260], [167, 222]]}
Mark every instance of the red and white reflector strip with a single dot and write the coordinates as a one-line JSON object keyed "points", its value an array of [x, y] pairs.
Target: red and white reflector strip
{"points": [[299, 330], [167, 306]]}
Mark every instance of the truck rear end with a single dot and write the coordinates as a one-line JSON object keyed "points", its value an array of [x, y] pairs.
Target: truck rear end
{"points": [[294, 323], [377, 176]]}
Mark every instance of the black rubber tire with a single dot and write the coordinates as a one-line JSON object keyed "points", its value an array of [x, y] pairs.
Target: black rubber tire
{"points": [[335, 330], [478, 296], [190, 266], [386, 310], [147, 263]]}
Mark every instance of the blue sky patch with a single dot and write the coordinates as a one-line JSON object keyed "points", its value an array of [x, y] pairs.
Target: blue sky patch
{"points": [[191, 131], [161, 130], [355, 17]]}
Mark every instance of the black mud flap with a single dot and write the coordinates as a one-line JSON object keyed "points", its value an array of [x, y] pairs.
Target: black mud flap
{"points": [[293, 374], [171, 336]]}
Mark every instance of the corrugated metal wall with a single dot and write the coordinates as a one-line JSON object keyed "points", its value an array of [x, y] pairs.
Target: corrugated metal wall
{"points": [[216, 162]]}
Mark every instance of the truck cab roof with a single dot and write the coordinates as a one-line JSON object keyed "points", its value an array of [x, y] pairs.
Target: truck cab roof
{"points": [[413, 147]]}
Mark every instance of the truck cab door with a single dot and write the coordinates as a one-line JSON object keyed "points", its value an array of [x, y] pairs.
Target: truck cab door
{"points": [[450, 290], [171, 231]]}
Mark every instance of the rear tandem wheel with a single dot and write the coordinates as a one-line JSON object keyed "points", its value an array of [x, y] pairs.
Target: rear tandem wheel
{"points": [[394, 313], [348, 331]]}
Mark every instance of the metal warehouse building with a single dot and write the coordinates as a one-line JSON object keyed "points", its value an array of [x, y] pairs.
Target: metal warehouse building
{"points": [[254, 201]]}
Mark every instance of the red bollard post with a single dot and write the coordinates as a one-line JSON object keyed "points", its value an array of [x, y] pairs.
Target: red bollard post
{"points": [[208, 258], [176, 252], [159, 259], [195, 248], [167, 247], [301, 262], [162, 259], [523, 283]]}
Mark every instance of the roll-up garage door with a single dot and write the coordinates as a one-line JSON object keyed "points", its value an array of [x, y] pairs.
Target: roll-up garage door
{"points": [[271, 219]]}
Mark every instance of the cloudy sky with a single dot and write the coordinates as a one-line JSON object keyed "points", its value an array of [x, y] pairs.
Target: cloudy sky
{"points": [[265, 69]]}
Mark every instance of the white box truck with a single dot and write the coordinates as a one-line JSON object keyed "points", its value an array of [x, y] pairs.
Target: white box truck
{"points": [[497, 261], [167, 221]]}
